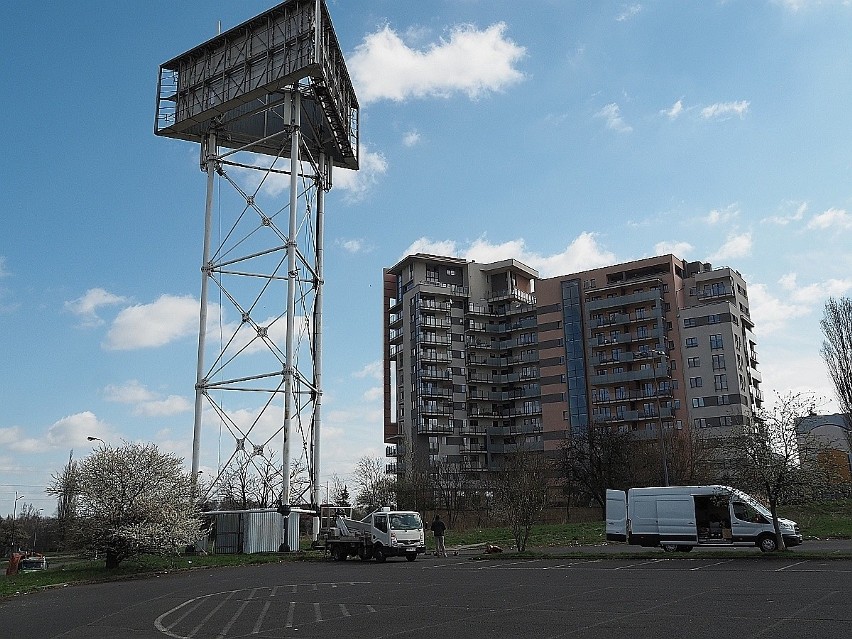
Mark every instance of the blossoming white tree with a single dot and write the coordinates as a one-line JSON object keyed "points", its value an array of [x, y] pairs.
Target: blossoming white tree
{"points": [[134, 499]]}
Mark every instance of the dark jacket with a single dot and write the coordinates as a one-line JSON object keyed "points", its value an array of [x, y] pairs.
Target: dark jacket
{"points": [[438, 528]]}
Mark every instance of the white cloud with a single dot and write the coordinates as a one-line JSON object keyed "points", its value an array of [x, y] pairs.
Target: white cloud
{"points": [[472, 62], [86, 307], [675, 110], [171, 405], [802, 5], [832, 218], [720, 216], [358, 183], [156, 324], [785, 219], [373, 394], [411, 138], [131, 392], [582, 254], [73, 430], [145, 401], [770, 313], [725, 110], [612, 114], [628, 12], [736, 245], [354, 245], [681, 249], [3, 271], [814, 294], [372, 370]]}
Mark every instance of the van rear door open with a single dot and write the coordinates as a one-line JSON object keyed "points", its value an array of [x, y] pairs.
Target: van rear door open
{"points": [[616, 515]]}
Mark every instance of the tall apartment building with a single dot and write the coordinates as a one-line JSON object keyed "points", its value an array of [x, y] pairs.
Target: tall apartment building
{"points": [[480, 355]]}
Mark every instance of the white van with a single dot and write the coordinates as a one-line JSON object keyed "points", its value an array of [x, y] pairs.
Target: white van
{"points": [[682, 517]]}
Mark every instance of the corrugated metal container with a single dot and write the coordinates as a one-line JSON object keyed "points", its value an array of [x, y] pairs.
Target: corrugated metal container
{"points": [[246, 531]]}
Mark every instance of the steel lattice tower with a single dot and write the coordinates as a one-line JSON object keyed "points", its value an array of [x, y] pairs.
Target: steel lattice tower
{"points": [[272, 106]]}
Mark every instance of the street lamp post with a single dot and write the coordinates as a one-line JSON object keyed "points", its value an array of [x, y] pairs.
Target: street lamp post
{"points": [[14, 517]]}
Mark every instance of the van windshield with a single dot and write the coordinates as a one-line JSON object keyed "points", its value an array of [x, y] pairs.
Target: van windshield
{"points": [[751, 501], [406, 521]]}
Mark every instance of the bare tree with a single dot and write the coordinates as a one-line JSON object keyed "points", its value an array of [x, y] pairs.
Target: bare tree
{"points": [[519, 490], [133, 499], [837, 353], [452, 484], [413, 487], [252, 479], [764, 455], [593, 460], [374, 488]]}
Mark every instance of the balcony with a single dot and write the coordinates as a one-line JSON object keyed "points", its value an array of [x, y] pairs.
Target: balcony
{"points": [[433, 306], [487, 396], [434, 373], [395, 319], [427, 355], [469, 429], [623, 300], [656, 372], [430, 390], [435, 408], [430, 321], [438, 427], [432, 338]]}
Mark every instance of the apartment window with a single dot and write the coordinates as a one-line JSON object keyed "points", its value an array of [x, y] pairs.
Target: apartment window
{"points": [[616, 354], [716, 318], [720, 382], [451, 271], [695, 382], [642, 331], [691, 342], [431, 273], [716, 342], [719, 362], [723, 400], [640, 313], [726, 420], [693, 362], [700, 422], [697, 402]]}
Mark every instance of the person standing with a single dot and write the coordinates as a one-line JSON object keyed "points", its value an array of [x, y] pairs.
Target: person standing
{"points": [[438, 528]]}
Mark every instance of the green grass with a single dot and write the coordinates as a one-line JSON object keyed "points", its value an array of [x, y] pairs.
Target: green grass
{"points": [[543, 535], [822, 520]]}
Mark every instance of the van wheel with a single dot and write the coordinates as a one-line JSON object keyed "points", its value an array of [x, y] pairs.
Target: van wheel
{"points": [[669, 547], [767, 543], [379, 554], [411, 556]]}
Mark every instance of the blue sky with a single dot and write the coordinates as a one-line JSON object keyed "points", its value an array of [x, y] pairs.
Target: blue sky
{"points": [[567, 135]]}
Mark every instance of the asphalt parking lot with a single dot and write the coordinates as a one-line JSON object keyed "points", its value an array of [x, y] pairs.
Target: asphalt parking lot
{"points": [[648, 596]]}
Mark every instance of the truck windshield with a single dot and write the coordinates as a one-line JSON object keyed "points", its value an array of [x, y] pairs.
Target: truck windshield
{"points": [[406, 521]]}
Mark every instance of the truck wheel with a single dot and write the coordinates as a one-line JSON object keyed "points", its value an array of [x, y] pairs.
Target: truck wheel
{"points": [[767, 543], [379, 554], [339, 554], [669, 547], [411, 556]]}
